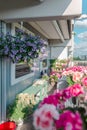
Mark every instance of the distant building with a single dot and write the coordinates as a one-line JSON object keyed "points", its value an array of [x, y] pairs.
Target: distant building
{"points": [[83, 57]]}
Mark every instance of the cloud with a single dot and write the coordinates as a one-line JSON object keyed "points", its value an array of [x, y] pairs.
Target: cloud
{"points": [[82, 36], [83, 16], [81, 23], [80, 49], [81, 45]]}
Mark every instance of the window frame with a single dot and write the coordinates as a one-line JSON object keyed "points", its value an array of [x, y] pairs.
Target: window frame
{"points": [[15, 80]]}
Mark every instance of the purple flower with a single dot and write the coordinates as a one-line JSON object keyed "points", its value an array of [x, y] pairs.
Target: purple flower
{"points": [[13, 45], [14, 52], [17, 40], [22, 50], [20, 47], [6, 49], [28, 44]]}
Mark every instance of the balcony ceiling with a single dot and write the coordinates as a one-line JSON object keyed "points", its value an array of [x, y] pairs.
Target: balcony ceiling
{"points": [[53, 30]]}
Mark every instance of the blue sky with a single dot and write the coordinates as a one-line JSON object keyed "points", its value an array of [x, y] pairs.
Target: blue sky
{"points": [[84, 6], [80, 30]]}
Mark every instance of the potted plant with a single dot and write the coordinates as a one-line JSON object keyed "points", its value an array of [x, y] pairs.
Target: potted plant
{"points": [[20, 47], [20, 109]]}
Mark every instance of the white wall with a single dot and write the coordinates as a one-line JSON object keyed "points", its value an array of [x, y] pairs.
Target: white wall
{"points": [[61, 50]]}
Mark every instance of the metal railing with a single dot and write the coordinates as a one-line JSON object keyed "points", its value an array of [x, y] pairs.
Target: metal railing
{"points": [[80, 63]]}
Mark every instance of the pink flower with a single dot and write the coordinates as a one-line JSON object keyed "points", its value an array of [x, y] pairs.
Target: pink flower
{"points": [[85, 97], [51, 99], [77, 76], [84, 81], [66, 93], [58, 75], [65, 72], [56, 91], [61, 106], [63, 95], [55, 73], [69, 121], [44, 117], [76, 90]]}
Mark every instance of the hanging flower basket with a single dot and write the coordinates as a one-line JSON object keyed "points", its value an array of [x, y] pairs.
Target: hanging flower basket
{"points": [[21, 47], [9, 125]]}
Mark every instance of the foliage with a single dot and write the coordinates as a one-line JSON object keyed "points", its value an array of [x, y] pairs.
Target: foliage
{"points": [[20, 109], [76, 58], [52, 62], [45, 77], [20, 47], [58, 65], [53, 78], [69, 80]]}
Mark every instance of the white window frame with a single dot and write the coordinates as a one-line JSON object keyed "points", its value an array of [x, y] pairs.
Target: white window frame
{"points": [[13, 66]]}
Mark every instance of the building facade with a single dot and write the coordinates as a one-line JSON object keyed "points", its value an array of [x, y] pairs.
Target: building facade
{"points": [[52, 20]]}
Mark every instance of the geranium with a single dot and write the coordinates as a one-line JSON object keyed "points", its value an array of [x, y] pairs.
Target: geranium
{"points": [[74, 74], [51, 99], [47, 118], [76, 90], [70, 118], [57, 99], [66, 93], [69, 121], [54, 76], [67, 72], [84, 81], [44, 117], [77, 76], [20, 47]]}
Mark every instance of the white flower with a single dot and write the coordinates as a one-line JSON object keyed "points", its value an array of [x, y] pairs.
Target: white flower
{"points": [[43, 117]]}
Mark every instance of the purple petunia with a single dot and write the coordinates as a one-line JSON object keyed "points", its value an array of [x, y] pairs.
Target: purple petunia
{"points": [[20, 47]]}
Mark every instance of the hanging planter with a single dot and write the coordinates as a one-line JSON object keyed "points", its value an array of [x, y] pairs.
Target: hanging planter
{"points": [[21, 47]]}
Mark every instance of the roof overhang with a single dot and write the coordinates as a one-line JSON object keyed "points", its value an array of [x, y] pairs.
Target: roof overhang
{"points": [[33, 10], [51, 30]]}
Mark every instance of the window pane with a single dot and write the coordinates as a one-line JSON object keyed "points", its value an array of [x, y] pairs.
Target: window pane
{"points": [[22, 69]]}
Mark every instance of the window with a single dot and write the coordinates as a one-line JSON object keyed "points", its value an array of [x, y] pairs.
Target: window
{"points": [[22, 69]]}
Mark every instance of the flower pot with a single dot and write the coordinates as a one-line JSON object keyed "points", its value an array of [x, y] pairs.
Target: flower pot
{"points": [[9, 125]]}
